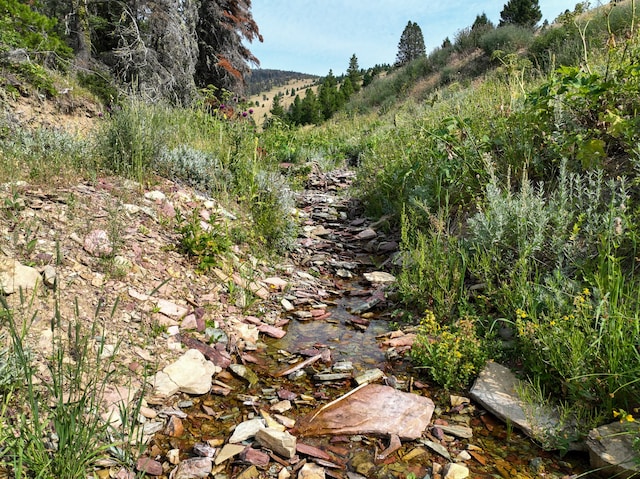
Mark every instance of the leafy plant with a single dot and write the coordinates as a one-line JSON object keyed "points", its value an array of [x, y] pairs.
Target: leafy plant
{"points": [[204, 241], [452, 354]]}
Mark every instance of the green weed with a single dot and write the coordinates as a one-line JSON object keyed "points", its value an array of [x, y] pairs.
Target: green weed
{"points": [[451, 354], [58, 430], [205, 243]]}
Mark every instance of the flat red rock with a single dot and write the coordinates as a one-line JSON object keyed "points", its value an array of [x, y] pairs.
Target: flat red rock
{"points": [[373, 409]]}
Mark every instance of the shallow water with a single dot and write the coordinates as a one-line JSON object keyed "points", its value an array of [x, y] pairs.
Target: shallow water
{"points": [[346, 342]]}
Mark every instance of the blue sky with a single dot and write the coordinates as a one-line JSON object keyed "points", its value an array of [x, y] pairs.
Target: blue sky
{"points": [[314, 36]]}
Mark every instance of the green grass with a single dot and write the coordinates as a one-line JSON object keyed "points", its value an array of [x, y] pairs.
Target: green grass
{"points": [[56, 428]]}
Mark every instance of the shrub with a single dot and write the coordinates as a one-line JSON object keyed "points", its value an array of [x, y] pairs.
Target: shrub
{"points": [[195, 168], [204, 241], [523, 236], [271, 207], [452, 355], [101, 86], [509, 39], [433, 269], [37, 153]]}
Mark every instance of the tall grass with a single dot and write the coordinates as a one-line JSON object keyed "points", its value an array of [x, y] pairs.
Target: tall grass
{"points": [[57, 428]]}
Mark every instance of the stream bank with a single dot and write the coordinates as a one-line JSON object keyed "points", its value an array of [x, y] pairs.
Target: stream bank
{"points": [[338, 340]]}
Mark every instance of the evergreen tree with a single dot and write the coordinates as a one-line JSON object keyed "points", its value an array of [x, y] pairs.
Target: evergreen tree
{"points": [[525, 13], [411, 44], [222, 26], [277, 109], [346, 90], [353, 73], [295, 111], [328, 96], [310, 108]]}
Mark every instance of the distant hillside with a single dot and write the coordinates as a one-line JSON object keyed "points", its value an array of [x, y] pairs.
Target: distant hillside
{"points": [[262, 80]]}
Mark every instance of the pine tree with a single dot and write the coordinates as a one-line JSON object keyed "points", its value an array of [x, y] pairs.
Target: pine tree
{"points": [[411, 44], [276, 107], [525, 13], [353, 73], [310, 107], [223, 59]]}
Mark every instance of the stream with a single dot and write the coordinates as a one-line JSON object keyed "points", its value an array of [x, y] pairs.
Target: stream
{"points": [[344, 317]]}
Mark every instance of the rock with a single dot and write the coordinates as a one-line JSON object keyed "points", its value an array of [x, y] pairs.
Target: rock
{"points": [[171, 309], [366, 234], [286, 305], [371, 409], [458, 431], [49, 275], [244, 372], [455, 471], [155, 195], [369, 376], [173, 456], [276, 283], [163, 386], [311, 471], [281, 406], [204, 449], [97, 243], [463, 456], [149, 466], [227, 452], [174, 427], [250, 472], [380, 277], [312, 451], [439, 448], [496, 389], [255, 457], [331, 376], [611, 449], [192, 372], [284, 473], [15, 276], [193, 468], [246, 430], [280, 442]]}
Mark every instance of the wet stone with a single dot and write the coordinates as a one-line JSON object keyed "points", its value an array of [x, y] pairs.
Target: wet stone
{"points": [[458, 431], [455, 471], [280, 442], [246, 430], [255, 456], [369, 376], [227, 452], [311, 471]]}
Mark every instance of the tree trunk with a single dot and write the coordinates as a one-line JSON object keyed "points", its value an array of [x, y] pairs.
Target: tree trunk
{"points": [[82, 33]]}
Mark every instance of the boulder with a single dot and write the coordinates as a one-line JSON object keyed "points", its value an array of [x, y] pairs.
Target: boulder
{"points": [[496, 389], [611, 451]]}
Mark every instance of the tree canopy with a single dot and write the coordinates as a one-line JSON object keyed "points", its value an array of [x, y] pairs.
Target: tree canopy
{"points": [[525, 13], [411, 44]]}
